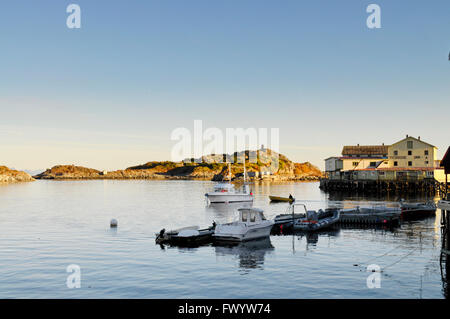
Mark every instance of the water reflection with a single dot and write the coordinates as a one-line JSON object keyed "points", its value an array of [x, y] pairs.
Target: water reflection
{"points": [[445, 248], [251, 254]]}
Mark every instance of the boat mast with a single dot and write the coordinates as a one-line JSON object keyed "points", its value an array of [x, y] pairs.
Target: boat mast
{"points": [[244, 168]]}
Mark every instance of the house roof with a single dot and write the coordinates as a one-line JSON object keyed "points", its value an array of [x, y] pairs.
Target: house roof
{"points": [[365, 150], [380, 158], [416, 139]]}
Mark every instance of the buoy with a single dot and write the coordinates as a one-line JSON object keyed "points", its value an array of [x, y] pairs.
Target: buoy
{"points": [[113, 222]]}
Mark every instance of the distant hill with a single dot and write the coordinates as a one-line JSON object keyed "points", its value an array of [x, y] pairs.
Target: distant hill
{"points": [[11, 176], [208, 167]]}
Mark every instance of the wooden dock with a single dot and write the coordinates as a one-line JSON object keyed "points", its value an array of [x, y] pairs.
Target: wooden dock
{"points": [[425, 186]]}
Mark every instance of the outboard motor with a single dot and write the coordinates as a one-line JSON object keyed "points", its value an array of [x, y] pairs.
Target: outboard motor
{"points": [[161, 235]]}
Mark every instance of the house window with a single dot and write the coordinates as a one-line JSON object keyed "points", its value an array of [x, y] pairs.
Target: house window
{"points": [[409, 152], [395, 153], [426, 152], [426, 162], [395, 163], [409, 144], [373, 163], [355, 163], [409, 163]]}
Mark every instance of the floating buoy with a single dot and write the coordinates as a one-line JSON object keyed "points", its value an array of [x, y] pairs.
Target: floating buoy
{"points": [[113, 223]]}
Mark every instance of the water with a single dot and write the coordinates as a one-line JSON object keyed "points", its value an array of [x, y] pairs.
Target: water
{"points": [[47, 225]]}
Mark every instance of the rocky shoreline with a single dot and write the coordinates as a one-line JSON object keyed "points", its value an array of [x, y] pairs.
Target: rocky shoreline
{"points": [[205, 168], [12, 176]]}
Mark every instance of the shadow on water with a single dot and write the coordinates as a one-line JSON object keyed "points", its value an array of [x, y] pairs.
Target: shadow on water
{"points": [[251, 254]]}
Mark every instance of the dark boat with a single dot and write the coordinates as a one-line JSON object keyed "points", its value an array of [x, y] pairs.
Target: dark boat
{"points": [[299, 218], [314, 221], [189, 236]]}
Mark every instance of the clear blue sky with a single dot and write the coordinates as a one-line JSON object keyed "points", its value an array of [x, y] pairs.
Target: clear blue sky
{"points": [[109, 94]]}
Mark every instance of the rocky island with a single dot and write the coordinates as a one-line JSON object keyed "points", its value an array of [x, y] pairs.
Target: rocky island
{"points": [[12, 176], [211, 167]]}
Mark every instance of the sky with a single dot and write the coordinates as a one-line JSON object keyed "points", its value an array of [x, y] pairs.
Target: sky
{"points": [[109, 95]]}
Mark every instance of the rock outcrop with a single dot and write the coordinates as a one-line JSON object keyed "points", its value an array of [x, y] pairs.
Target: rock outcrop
{"points": [[12, 176], [260, 165]]}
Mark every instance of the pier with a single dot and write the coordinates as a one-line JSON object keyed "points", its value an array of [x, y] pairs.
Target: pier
{"points": [[406, 186], [444, 205]]}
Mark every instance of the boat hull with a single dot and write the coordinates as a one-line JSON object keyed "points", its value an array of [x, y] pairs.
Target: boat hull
{"points": [[251, 233], [309, 225], [228, 198], [276, 199]]}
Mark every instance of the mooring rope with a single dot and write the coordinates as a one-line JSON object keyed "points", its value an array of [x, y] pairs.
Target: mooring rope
{"points": [[376, 257]]}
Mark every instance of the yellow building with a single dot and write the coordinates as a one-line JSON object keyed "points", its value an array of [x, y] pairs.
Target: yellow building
{"points": [[412, 152], [411, 158]]}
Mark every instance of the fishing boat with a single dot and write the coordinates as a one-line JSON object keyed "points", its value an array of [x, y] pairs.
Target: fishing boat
{"points": [[417, 210], [276, 199], [251, 224], [226, 192], [186, 236]]}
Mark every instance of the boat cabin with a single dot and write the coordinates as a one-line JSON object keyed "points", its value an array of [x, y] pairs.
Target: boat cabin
{"points": [[223, 188], [252, 215]]}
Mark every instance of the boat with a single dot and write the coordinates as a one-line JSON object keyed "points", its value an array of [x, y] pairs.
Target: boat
{"points": [[226, 192], [417, 210], [377, 215], [316, 220], [186, 236], [251, 224], [276, 199], [299, 218]]}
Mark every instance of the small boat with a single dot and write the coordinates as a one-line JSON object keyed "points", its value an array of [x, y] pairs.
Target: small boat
{"points": [[299, 218], [316, 220], [186, 236], [277, 199], [251, 224], [226, 192], [417, 210]]}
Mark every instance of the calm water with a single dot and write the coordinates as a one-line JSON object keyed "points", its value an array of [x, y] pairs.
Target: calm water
{"points": [[47, 225]]}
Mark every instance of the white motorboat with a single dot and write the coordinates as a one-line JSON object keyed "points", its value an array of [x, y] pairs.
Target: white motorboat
{"points": [[251, 224], [226, 192]]}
